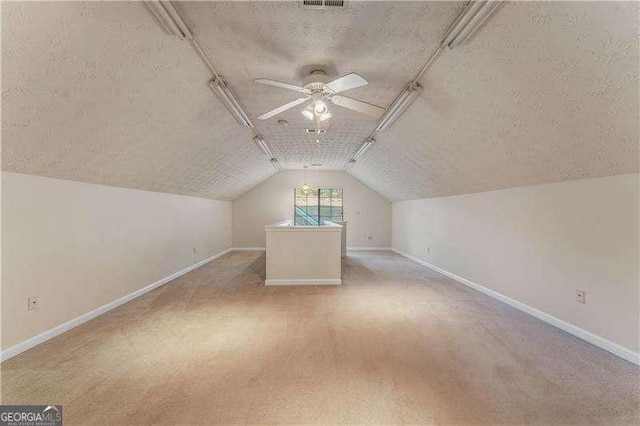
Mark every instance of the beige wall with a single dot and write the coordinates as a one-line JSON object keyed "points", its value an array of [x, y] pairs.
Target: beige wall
{"points": [[79, 246], [303, 255], [539, 244], [368, 213]]}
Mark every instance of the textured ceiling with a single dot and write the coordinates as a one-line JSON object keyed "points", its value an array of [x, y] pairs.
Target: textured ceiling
{"points": [[385, 42], [97, 92], [546, 92]]}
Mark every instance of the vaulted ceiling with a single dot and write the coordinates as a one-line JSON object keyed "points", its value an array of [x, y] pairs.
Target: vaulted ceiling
{"points": [[97, 92]]}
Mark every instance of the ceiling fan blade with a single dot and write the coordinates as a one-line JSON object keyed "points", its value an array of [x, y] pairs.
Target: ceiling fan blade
{"points": [[347, 82], [279, 84], [356, 105], [282, 108]]}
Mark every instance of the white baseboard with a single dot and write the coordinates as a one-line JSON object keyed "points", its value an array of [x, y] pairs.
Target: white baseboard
{"points": [[348, 248], [369, 248], [315, 281], [583, 334], [56, 331]]}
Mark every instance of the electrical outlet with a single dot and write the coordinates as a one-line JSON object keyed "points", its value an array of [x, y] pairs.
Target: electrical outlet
{"points": [[429, 250], [32, 303], [195, 251], [580, 296]]}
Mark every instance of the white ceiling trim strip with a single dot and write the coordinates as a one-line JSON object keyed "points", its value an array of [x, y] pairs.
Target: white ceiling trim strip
{"points": [[171, 21], [472, 17]]}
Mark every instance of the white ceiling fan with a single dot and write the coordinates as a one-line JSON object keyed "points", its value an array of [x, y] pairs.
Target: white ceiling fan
{"points": [[319, 90]]}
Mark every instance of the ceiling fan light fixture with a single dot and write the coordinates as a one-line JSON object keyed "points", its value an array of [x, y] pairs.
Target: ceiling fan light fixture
{"points": [[320, 107], [308, 113], [325, 116]]}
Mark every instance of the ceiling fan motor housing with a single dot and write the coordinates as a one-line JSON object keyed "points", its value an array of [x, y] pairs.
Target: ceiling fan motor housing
{"points": [[315, 81]]}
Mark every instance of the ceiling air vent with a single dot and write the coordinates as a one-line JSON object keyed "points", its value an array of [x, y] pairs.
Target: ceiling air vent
{"points": [[324, 4]]}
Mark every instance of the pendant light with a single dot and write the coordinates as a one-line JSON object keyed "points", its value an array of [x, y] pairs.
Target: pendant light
{"points": [[305, 187]]}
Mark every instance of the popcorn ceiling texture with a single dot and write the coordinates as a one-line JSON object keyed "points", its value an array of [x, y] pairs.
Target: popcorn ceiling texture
{"points": [[547, 92], [97, 92], [385, 42]]}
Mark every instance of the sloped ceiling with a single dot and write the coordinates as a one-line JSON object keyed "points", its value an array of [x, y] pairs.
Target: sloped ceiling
{"points": [[385, 42], [97, 92], [547, 92]]}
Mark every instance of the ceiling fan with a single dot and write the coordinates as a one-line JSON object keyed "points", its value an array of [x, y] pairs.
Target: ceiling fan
{"points": [[320, 91]]}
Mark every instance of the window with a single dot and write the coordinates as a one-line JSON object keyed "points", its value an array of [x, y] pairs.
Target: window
{"points": [[315, 205]]}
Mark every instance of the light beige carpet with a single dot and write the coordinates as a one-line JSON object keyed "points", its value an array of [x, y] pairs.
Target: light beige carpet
{"points": [[396, 344]]}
